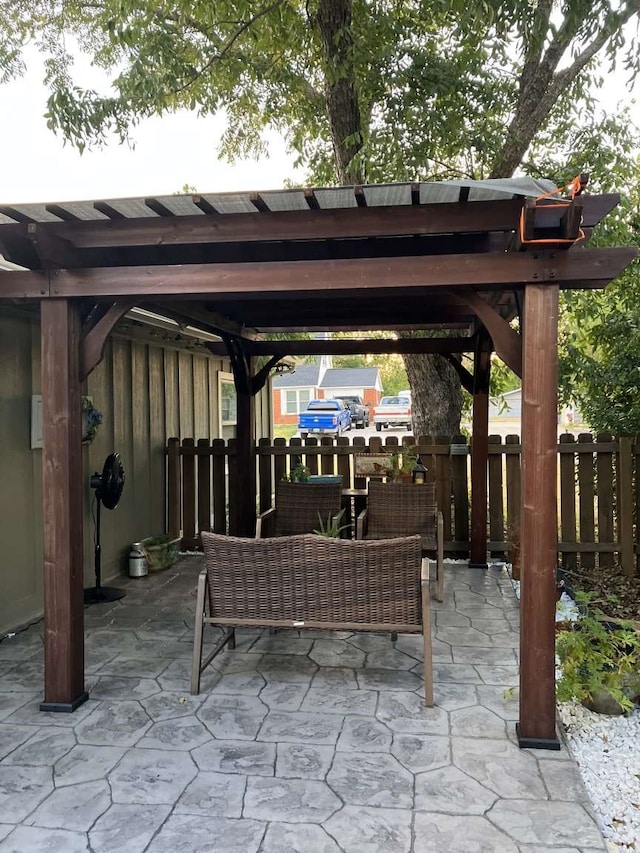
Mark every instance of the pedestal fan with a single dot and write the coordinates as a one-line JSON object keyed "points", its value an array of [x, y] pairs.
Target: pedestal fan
{"points": [[108, 487]]}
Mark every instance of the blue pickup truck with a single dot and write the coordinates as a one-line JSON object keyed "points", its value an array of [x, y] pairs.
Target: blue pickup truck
{"points": [[324, 417]]}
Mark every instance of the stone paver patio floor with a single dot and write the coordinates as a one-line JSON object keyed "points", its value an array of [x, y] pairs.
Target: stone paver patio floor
{"points": [[313, 742]]}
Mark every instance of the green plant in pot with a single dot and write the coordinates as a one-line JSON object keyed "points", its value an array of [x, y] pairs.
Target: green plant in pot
{"points": [[299, 474], [600, 662], [331, 526], [403, 462]]}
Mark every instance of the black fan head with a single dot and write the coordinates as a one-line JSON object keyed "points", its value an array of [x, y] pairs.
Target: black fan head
{"points": [[110, 483]]}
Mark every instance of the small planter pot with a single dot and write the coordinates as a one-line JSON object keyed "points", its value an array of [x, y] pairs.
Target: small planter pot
{"points": [[160, 552]]}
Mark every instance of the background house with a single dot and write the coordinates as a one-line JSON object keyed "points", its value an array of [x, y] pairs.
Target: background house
{"points": [[320, 380], [505, 412]]}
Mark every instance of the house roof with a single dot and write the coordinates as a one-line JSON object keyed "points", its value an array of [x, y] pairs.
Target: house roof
{"points": [[305, 376], [357, 377]]}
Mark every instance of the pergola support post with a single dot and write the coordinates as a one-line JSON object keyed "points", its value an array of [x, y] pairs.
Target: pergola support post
{"points": [[539, 532], [480, 452], [242, 482], [62, 506]]}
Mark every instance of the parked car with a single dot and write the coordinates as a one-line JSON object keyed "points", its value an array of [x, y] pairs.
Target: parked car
{"points": [[359, 410], [324, 417], [393, 411]]}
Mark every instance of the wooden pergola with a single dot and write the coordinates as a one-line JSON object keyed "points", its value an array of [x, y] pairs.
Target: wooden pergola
{"points": [[469, 256]]}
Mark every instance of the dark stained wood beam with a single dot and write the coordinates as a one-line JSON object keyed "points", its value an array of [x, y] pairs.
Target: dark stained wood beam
{"points": [[242, 480], [302, 279], [19, 285], [538, 529], [53, 250], [354, 346], [62, 507], [158, 207], [314, 224], [210, 321], [507, 342], [94, 339], [109, 211], [62, 212], [343, 326]]}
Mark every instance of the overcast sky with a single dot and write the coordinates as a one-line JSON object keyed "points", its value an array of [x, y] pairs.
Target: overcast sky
{"points": [[169, 153]]}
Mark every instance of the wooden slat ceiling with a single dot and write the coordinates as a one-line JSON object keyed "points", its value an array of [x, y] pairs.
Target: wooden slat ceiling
{"points": [[84, 248]]}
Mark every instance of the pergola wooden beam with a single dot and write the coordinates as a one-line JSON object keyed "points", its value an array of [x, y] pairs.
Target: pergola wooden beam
{"points": [[354, 346], [313, 279], [315, 224], [94, 339]]}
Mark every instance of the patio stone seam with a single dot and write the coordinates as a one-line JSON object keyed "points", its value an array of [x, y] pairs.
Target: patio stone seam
{"points": [[332, 837]]}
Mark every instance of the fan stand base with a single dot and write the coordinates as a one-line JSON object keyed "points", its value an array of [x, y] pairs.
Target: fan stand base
{"points": [[102, 594]]}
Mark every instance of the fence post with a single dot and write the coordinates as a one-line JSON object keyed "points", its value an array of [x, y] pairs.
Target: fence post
{"points": [[625, 505], [173, 487]]}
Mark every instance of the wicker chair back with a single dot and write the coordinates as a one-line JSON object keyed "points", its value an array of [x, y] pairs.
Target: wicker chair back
{"points": [[401, 509], [298, 505]]}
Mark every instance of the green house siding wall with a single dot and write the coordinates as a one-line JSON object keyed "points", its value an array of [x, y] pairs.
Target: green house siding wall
{"points": [[147, 393]]}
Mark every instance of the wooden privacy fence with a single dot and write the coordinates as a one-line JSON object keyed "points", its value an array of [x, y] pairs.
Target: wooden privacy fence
{"points": [[598, 490]]}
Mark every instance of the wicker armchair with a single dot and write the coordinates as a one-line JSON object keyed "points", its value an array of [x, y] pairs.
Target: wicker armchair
{"points": [[312, 582], [297, 507], [400, 509]]}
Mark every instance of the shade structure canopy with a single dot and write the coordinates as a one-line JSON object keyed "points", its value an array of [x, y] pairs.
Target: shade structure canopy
{"points": [[460, 255]]}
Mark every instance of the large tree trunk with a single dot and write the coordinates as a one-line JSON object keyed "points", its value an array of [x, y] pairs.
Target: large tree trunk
{"points": [[334, 24], [436, 395]]}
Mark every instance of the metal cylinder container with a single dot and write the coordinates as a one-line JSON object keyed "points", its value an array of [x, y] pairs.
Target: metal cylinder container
{"points": [[137, 562]]}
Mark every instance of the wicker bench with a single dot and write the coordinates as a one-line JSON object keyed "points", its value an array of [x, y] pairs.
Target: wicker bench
{"points": [[310, 581]]}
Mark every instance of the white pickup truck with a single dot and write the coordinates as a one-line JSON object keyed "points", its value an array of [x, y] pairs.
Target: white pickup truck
{"points": [[393, 411]]}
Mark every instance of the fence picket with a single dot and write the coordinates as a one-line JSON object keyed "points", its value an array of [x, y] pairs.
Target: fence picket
{"points": [[460, 492], [625, 506], [265, 480], [219, 465], [604, 491], [587, 496], [204, 485], [174, 480], [496, 495], [514, 487], [568, 501], [189, 540]]}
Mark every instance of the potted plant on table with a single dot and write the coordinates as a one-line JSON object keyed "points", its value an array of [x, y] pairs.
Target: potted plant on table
{"points": [[403, 462]]}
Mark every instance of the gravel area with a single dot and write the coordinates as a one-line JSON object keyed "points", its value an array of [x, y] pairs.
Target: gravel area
{"points": [[607, 751]]}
